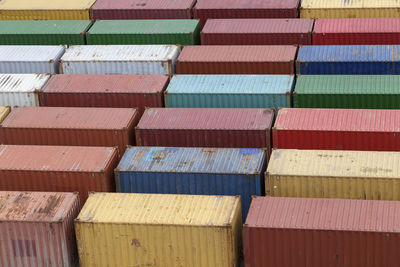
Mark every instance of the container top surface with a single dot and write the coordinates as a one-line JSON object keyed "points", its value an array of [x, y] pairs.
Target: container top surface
{"points": [[230, 84], [350, 4], [240, 4], [35, 206], [45, 4], [325, 214], [3, 112], [225, 26], [334, 163], [207, 118], [193, 160], [144, 4], [22, 83], [70, 118], [15, 27], [354, 120], [120, 53], [357, 25], [92, 83], [188, 210], [27, 53], [349, 53], [55, 158], [238, 53]]}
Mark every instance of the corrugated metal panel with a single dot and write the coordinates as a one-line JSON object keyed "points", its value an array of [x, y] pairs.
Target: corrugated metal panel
{"points": [[347, 91], [142, 9], [149, 230], [30, 58], [291, 232], [337, 129], [257, 32], [236, 60], [229, 91], [202, 171], [181, 31], [333, 174], [4, 111], [349, 59], [21, 89], [120, 59], [37, 229], [58, 169], [70, 127]]}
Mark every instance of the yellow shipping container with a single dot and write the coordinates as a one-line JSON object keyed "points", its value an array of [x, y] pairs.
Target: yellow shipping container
{"points": [[334, 174], [45, 9], [350, 9], [115, 229], [4, 111]]}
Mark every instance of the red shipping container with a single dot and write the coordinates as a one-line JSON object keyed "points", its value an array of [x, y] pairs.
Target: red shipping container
{"points": [[337, 129], [60, 126], [292, 232], [37, 229], [222, 9], [114, 91], [257, 32], [142, 9], [258, 59], [58, 169], [357, 31], [206, 127]]}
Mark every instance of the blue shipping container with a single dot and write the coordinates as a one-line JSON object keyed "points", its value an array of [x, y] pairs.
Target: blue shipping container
{"points": [[197, 171], [349, 59], [229, 91]]}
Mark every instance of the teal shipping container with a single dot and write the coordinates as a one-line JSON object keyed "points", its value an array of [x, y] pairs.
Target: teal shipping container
{"points": [[347, 91], [229, 91], [179, 32]]}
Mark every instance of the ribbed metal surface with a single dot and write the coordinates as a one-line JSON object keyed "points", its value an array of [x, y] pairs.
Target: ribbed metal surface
{"points": [[120, 59], [4, 111], [37, 229], [290, 232], [145, 230], [229, 91]]}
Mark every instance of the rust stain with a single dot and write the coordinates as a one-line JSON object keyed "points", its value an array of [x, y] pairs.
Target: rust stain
{"points": [[51, 203], [375, 170]]}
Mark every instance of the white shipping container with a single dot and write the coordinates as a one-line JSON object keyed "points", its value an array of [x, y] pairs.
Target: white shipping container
{"points": [[120, 59], [21, 89], [30, 58]]}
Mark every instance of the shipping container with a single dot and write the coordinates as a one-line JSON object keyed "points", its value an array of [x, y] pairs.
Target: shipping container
{"points": [[142, 9], [292, 232], [213, 59], [58, 169], [229, 91], [201, 171], [127, 230], [357, 31], [349, 59], [347, 91], [224, 9], [120, 59], [45, 9], [180, 31], [38, 59], [43, 32], [349, 9], [114, 91], [211, 127], [257, 32], [333, 174], [337, 129], [61, 126], [37, 229], [4, 111]]}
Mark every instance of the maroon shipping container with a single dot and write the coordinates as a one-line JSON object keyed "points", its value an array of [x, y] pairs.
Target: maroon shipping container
{"points": [[114, 91], [258, 59], [142, 9], [357, 31], [337, 129], [111, 127], [221, 9], [257, 32], [206, 127], [292, 232]]}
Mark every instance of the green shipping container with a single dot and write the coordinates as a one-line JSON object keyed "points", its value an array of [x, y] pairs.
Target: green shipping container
{"points": [[182, 32], [347, 91], [43, 32]]}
